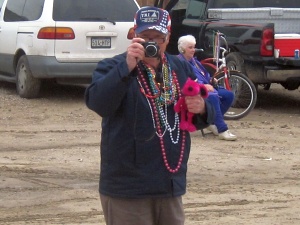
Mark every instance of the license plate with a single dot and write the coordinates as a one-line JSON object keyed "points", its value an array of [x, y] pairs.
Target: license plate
{"points": [[101, 42]]}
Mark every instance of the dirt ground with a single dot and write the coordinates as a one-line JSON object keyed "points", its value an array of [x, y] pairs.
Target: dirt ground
{"points": [[49, 163]]}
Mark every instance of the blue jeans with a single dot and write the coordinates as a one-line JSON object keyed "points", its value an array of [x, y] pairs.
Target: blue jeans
{"points": [[221, 100]]}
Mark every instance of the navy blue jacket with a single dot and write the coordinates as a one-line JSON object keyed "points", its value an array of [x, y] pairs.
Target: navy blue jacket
{"points": [[131, 160]]}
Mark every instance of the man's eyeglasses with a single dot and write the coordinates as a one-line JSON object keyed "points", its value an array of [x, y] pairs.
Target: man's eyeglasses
{"points": [[157, 40]]}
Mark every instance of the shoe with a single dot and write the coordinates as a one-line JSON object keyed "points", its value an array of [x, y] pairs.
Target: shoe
{"points": [[213, 129], [227, 135]]}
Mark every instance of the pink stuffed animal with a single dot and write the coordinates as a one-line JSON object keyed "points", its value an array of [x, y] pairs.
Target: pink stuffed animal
{"points": [[190, 88]]}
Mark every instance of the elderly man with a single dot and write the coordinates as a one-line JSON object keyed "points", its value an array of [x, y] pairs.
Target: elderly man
{"points": [[144, 153]]}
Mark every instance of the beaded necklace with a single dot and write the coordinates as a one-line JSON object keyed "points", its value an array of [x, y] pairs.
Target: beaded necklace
{"points": [[198, 67], [159, 97]]}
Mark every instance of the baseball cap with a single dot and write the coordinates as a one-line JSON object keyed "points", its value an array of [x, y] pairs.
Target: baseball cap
{"points": [[152, 18]]}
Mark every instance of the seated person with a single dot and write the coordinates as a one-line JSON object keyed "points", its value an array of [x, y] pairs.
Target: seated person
{"points": [[220, 98]]}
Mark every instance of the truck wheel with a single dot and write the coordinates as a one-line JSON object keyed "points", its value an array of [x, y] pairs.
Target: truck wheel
{"points": [[234, 61], [27, 85]]}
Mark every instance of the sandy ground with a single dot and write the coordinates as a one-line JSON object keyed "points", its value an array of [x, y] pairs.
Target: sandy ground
{"points": [[49, 163]]}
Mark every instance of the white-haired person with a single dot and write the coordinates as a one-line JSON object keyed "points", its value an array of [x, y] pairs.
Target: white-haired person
{"points": [[220, 97]]}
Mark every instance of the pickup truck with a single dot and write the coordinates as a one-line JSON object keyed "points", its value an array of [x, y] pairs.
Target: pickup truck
{"points": [[250, 27]]}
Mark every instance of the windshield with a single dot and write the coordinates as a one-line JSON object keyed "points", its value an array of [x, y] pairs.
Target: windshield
{"points": [[181, 4], [255, 3], [94, 10], [196, 9]]}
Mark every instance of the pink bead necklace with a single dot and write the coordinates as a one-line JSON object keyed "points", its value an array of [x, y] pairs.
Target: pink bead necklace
{"points": [[159, 116]]}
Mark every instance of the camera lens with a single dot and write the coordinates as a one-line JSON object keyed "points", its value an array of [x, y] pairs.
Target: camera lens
{"points": [[151, 49]]}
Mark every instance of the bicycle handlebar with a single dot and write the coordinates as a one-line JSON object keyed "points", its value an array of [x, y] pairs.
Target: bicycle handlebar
{"points": [[224, 51], [199, 50], [224, 39]]}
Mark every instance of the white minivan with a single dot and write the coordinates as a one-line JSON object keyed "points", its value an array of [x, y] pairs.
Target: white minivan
{"points": [[60, 39]]}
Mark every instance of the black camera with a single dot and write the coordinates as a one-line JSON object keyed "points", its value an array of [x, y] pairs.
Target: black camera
{"points": [[151, 49]]}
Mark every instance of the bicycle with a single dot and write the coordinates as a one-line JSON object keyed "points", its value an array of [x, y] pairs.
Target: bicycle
{"points": [[245, 94]]}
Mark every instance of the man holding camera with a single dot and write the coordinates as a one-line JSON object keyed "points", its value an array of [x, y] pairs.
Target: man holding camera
{"points": [[144, 153]]}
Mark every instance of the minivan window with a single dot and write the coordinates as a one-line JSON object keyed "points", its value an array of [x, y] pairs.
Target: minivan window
{"points": [[13, 11], [33, 9], [1, 3], [94, 10], [23, 10]]}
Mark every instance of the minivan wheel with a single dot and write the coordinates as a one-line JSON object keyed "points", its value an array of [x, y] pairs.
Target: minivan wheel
{"points": [[27, 85]]}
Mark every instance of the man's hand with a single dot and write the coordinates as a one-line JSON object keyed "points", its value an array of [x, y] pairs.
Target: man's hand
{"points": [[195, 104], [135, 53]]}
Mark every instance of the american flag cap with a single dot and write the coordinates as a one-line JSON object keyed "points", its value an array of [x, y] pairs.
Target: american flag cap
{"points": [[152, 18]]}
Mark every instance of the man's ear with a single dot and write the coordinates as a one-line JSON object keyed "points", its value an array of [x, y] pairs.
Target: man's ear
{"points": [[168, 38], [131, 33]]}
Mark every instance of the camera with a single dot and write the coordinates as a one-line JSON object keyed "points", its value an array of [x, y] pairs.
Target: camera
{"points": [[151, 49]]}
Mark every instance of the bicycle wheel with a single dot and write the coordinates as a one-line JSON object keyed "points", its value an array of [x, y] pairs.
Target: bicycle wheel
{"points": [[245, 94]]}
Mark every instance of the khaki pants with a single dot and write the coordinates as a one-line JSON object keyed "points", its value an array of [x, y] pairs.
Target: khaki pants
{"points": [[148, 211]]}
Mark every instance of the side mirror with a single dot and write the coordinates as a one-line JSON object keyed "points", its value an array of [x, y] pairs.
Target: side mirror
{"points": [[130, 34]]}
